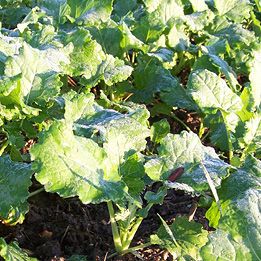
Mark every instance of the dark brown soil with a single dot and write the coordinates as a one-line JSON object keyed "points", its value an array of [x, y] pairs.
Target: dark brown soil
{"points": [[55, 228]]}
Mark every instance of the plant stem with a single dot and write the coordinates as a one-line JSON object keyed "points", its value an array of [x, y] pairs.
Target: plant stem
{"points": [[131, 234], [114, 228], [35, 192], [201, 130], [258, 5], [177, 69], [125, 231], [5, 144], [131, 249], [180, 121]]}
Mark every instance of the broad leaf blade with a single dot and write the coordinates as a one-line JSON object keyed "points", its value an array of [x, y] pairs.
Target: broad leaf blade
{"points": [[12, 252], [189, 235], [211, 92], [73, 166], [240, 203], [14, 175], [185, 150]]}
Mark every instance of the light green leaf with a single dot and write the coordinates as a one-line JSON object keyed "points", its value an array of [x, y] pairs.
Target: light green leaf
{"points": [[177, 37], [249, 135], [12, 100], [9, 114], [198, 5], [77, 105], [88, 170], [90, 11], [74, 166], [236, 10], [220, 247], [254, 77], [9, 46], [199, 20], [185, 150], [151, 5], [189, 236], [38, 68], [211, 92], [32, 17], [12, 252], [119, 133], [151, 26], [240, 217], [99, 67], [14, 175]]}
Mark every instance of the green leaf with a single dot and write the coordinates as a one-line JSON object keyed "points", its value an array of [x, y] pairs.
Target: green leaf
{"points": [[14, 175], [255, 78], [240, 202], [38, 69], [155, 197], [235, 34], [116, 39], [235, 10], [90, 171], [159, 130], [132, 172], [13, 15], [224, 68], [80, 161], [122, 7], [31, 18], [77, 258], [150, 78], [253, 166], [99, 67], [222, 128], [189, 235], [12, 252], [109, 36], [185, 150], [119, 133], [211, 92], [248, 135], [90, 11], [198, 5], [78, 105], [151, 25], [177, 37], [221, 247], [58, 9]]}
